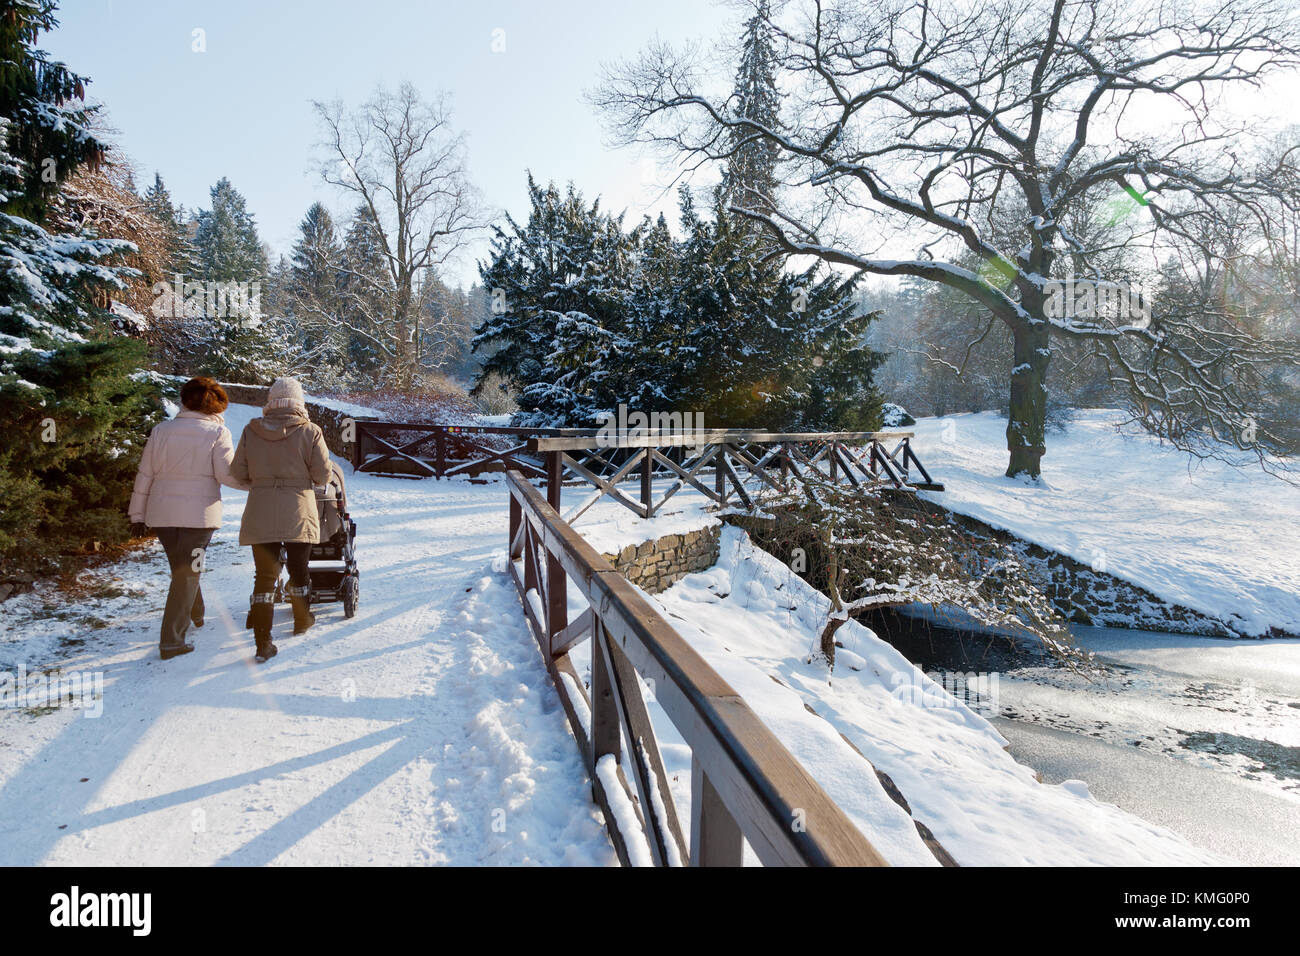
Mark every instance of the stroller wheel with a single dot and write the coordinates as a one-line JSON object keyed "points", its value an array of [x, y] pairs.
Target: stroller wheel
{"points": [[351, 591]]}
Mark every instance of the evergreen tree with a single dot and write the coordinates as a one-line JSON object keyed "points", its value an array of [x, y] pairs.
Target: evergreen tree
{"points": [[227, 246], [366, 289], [728, 334], [749, 179], [314, 298], [51, 135], [588, 316], [317, 252], [173, 341], [75, 413], [238, 344], [175, 231], [558, 287]]}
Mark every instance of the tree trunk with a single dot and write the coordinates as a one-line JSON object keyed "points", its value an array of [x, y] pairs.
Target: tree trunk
{"points": [[827, 642], [1027, 423]]}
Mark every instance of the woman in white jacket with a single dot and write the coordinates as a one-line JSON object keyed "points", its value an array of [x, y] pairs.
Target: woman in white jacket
{"points": [[178, 495]]}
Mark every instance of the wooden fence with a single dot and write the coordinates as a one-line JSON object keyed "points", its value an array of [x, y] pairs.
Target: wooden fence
{"points": [[745, 785], [418, 450]]}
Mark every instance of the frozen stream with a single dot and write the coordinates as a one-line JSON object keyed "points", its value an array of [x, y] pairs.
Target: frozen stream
{"points": [[1201, 735]]}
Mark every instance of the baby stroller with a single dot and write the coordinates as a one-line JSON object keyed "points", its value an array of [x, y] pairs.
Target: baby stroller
{"points": [[336, 577]]}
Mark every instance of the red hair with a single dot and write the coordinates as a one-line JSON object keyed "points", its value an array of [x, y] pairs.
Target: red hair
{"points": [[204, 395]]}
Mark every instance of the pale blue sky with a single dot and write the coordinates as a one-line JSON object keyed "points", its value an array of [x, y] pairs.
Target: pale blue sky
{"points": [[242, 108]]}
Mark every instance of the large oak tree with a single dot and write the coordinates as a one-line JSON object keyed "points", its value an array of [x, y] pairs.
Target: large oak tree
{"points": [[981, 130]]}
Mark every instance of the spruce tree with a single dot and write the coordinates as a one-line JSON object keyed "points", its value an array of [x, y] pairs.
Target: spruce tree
{"points": [[227, 246], [238, 345], [750, 178], [313, 298], [171, 220], [366, 289], [75, 412]]}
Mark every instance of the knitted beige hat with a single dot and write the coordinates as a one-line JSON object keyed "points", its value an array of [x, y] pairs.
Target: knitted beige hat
{"points": [[285, 393]]}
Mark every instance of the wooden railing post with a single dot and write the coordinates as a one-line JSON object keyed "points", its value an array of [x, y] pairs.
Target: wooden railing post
{"points": [[605, 730], [440, 452], [647, 493], [720, 475], [606, 740], [716, 839], [554, 482], [516, 516], [557, 590]]}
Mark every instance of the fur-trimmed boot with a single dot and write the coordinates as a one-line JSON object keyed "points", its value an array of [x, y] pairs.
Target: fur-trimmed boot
{"points": [[260, 612], [300, 599]]}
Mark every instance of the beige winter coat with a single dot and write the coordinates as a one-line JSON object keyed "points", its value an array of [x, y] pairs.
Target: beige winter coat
{"points": [[281, 456], [185, 463]]}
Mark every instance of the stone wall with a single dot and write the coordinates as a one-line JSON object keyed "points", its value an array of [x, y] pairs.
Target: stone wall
{"points": [[331, 421], [1087, 595], [1083, 594], [1091, 595], [655, 565]]}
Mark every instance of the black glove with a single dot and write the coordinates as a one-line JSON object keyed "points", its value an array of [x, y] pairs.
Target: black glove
{"points": [[139, 530]]}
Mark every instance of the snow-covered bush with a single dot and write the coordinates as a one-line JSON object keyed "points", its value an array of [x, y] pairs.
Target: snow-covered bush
{"points": [[895, 416]]}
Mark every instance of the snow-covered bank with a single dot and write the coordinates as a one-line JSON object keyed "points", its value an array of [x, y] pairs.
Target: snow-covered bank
{"points": [[1204, 535], [424, 730], [756, 622]]}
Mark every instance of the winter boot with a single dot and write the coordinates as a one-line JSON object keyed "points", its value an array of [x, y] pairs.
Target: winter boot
{"points": [[300, 599], [260, 611]]}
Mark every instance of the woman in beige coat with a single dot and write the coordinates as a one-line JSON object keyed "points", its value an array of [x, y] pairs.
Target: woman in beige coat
{"points": [[178, 495], [281, 456]]}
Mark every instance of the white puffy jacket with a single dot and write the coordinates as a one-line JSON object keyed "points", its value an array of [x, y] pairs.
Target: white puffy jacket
{"points": [[184, 465]]}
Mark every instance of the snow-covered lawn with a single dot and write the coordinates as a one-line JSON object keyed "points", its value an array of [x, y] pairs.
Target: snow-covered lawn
{"points": [[424, 730], [1217, 539]]}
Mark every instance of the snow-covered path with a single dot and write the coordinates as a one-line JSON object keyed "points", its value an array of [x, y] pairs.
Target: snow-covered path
{"points": [[422, 731]]}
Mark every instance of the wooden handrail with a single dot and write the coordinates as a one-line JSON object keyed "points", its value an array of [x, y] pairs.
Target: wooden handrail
{"points": [[378, 425], [652, 439], [391, 448], [744, 780]]}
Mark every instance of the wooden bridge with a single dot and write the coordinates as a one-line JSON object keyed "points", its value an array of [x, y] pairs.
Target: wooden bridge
{"points": [[745, 785], [739, 460]]}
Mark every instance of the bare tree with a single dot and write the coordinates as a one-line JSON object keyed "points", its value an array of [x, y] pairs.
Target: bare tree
{"points": [[398, 156], [936, 120]]}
